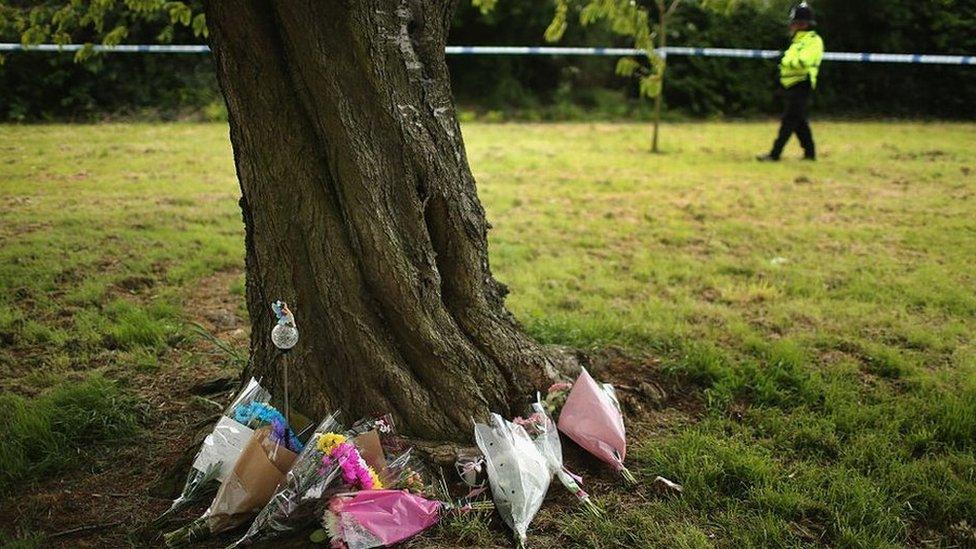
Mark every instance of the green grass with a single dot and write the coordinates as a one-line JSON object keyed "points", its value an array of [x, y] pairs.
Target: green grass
{"points": [[823, 313], [43, 435]]}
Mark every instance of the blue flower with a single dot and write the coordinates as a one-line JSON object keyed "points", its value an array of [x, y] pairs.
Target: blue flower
{"points": [[259, 414], [256, 414]]}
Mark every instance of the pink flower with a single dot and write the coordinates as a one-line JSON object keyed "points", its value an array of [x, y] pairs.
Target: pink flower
{"points": [[533, 424], [560, 386], [354, 470]]}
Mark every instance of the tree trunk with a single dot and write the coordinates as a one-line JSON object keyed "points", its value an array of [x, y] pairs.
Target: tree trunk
{"points": [[361, 212], [662, 44]]}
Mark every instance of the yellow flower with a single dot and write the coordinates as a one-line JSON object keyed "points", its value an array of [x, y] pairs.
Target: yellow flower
{"points": [[377, 483], [328, 442]]}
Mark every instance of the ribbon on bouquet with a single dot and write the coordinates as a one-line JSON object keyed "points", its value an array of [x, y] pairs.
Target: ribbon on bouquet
{"points": [[469, 471]]}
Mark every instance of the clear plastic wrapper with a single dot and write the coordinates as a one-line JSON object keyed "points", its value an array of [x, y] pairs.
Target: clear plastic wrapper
{"points": [[542, 430], [331, 460], [219, 452], [518, 474], [404, 471], [261, 467], [592, 418]]}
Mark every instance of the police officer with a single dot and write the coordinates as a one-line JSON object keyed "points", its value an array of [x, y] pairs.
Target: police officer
{"points": [[798, 75]]}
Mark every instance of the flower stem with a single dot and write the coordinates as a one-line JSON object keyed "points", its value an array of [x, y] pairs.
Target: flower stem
{"points": [[197, 530], [628, 476]]}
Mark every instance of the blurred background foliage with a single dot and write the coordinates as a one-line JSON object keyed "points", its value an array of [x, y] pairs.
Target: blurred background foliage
{"points": [[45, 86]]}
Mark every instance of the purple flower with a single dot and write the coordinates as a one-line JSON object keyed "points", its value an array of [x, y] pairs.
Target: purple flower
{"points": [[281, 434]]}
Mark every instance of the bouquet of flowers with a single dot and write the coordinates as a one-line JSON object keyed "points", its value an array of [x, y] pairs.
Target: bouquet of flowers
{"points": [[405, 474], [407, 506], [591, 417], [340, 456], [518, 474], [219, 452], [542, 430], [260, 468], [378, 518], [330, 457]]}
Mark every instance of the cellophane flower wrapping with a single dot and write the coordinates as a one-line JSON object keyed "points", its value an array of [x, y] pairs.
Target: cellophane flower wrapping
{"points": [[377, 518], [543, 432], [220, 450], [256, 475], [592, 418], [332, 458], [303, 483], [404, 471], [518, 474]]}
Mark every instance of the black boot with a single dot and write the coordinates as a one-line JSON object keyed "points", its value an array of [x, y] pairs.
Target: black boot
{"points": [[767, 158]]}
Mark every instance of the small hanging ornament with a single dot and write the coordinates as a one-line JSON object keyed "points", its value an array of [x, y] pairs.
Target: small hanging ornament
{"points": [[284, 335]]}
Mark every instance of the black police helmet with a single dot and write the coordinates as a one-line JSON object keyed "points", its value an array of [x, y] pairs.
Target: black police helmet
{"points": [[802, 14]]}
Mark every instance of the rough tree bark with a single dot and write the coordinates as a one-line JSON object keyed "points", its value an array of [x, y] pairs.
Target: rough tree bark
{"points": [[361, 212]]}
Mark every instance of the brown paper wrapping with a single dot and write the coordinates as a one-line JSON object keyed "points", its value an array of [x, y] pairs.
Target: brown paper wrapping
{"points": [[258, 473], [371, 450]]}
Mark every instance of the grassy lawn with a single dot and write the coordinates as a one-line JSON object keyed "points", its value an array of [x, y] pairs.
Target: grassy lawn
{"points": [[818, 319]]}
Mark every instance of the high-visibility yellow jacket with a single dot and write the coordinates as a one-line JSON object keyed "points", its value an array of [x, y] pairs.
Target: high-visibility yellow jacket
{"points": [[802, 60]]}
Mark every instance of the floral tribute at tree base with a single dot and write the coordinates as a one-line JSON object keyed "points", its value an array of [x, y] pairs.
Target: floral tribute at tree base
{"points": [[363, 486]]}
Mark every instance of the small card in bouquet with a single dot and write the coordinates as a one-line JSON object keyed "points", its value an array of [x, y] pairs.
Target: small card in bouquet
{"points": [[222, 447]]}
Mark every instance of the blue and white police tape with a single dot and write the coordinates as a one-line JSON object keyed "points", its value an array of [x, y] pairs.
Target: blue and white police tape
{"points": [[913, 58], [122, 48], [857, 57]]}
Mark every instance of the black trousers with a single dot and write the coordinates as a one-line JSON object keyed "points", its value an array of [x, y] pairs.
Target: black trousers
{"points": [[795, 121]]}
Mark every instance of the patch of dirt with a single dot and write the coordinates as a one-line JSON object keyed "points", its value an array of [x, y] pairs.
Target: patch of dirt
{"points": [[21, 229], [650, 400], [102, 503], [134, 284], [931, 155]]}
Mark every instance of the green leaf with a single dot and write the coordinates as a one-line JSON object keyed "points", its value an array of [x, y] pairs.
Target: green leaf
{"points": [[115, 36], [35, 35], [199, 25], [84, 53], [179, 13], [626, 66], [484, 6], [650, 86], [556, 29], [165, 36], [319, 536]]}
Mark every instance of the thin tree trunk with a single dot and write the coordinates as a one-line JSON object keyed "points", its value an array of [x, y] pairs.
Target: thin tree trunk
{"points": [[663, 43], [361, 212]]}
